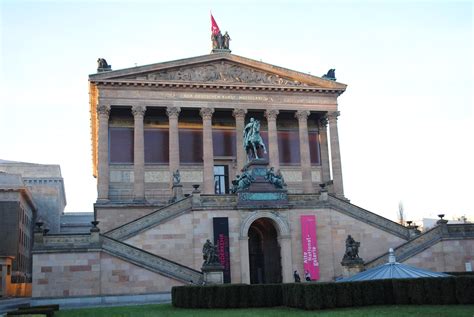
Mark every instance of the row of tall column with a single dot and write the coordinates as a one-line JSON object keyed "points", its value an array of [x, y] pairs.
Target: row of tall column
{"points": [[138, 112]]}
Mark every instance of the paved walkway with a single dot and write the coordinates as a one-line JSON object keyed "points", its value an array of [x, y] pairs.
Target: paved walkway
{"points": [[87, 301]]}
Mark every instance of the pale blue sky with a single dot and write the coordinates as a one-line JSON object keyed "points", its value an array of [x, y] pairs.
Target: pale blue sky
{"points": [[406, 122]]}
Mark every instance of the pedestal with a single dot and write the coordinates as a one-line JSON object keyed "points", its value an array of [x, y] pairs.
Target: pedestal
{"points": [[177, 192], [261, 193], [352, 267], [213, 274]]}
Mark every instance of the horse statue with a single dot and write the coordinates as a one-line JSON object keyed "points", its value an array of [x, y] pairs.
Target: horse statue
{"points": [[253, 140]]}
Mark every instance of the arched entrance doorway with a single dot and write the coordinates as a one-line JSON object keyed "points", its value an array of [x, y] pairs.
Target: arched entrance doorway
{"points": [[264, 252]]}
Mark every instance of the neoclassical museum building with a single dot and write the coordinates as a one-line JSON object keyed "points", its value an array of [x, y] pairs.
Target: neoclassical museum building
{"points": [[168, 154]]}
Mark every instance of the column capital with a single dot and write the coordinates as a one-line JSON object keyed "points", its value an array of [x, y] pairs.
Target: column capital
{"points": [[332, 116], [103, 110], [302, 114], [239, 113], [206, 113], [138, 110], [173, 112], [271, 114]]}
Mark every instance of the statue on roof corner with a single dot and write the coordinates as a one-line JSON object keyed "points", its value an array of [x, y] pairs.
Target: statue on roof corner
{"points": [[102, 65], [331, 75]]}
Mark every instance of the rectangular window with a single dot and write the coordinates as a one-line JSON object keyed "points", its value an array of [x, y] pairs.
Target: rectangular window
{"points": [[121, 145], [190, 145], [223, 142], [221, 179], [314, 148], [157, 146], [289, 147]]}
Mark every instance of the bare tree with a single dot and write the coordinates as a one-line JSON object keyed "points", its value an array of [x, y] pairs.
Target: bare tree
{"points": [[401, 214]]}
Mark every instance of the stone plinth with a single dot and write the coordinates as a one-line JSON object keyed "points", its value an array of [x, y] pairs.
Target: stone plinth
{"points": [[213, 274], [352, 267], [177, 191], [261, 193]]}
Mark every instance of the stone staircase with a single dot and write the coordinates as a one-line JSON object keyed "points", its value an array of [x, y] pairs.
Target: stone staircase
{"points": [[151, 261], [369, 217], [161, 215], [424, 241]]}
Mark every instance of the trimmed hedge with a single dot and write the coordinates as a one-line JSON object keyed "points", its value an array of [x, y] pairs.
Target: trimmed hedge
{"points": [[315, 296]]}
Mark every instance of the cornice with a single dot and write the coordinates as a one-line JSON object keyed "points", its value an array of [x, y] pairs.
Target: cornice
{"points": [[194, 85]]}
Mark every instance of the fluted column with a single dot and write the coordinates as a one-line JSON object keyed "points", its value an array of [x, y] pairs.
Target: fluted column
{"points": [[323, 143], [302, 116], [208, 150], [239, 115], [173, 115], [138, 153], [271, 116], [335, 154], [103, 112]]}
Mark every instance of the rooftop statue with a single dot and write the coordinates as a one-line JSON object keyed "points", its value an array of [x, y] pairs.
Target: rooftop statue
{"points": [[102, 65], [253, 140], [331, 75]]}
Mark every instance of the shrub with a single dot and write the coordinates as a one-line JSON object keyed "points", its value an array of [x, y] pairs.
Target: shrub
{"points": [[416, 291], [450, 290], [400, 291], [357, 294], [465, 289], [447, 286], [313, 296], [343, 294]]}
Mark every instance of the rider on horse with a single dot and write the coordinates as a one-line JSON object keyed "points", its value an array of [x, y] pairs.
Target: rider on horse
{"points": [[252, 139]]}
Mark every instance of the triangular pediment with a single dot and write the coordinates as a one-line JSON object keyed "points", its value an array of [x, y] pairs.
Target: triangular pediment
{"points": [[220, 69]]}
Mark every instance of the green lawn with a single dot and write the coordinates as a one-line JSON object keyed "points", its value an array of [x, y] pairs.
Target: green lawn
{"points": [[165, 310]]}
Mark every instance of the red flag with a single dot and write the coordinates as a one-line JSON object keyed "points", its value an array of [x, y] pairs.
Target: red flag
{"points": [[214, 27]]}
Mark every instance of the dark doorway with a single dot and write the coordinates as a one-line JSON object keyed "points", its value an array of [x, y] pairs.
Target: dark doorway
{"points": [[264, 253]]}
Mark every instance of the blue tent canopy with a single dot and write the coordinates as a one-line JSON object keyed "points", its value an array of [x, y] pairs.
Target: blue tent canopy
{"points": [[391, 270]]}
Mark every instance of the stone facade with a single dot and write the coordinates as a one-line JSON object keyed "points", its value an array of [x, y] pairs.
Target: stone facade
{"points": [[446, 256], [93, 273], [189, 115]]}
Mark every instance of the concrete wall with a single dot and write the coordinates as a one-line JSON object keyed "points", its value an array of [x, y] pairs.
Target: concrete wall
{"points": [[92, 273]]}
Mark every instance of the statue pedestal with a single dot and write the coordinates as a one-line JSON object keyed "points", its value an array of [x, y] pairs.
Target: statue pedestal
{"points": [[177, 190], [352, 267], [261, 193], [213, 274]]}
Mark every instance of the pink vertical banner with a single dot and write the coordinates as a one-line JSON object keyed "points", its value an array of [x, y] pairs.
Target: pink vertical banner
{"points": [[310, 247]]}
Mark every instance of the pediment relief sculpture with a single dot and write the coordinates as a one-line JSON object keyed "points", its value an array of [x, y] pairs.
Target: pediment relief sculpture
{"points": [[220, 73]]}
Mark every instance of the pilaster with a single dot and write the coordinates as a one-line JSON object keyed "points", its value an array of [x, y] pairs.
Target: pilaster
{"points": [[239, 115], [271, 116], [335, 154], [208, 150], [302, 116], [103, 113]]}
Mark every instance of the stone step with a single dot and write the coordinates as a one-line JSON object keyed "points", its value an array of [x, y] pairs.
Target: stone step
{"points": [[151, 261], [161, 215]]}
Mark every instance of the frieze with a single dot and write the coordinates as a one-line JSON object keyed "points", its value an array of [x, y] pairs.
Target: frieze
{"points": [[124, 97], [220, 73]]}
